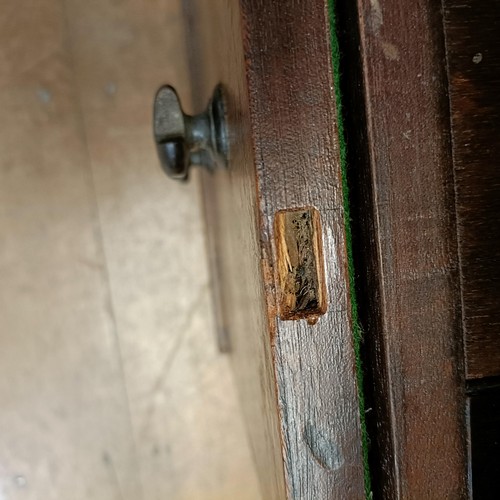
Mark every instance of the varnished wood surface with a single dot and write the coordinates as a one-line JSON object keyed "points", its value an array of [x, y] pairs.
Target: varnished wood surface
{"points": [[296, 380], [473, 55], [402, 185], [111, 386]]}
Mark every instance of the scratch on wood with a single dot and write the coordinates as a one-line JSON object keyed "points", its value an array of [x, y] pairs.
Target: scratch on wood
{"points": [[375, 19]]}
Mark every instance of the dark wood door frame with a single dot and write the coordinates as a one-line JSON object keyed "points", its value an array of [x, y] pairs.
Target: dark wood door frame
{"points": [[401, 176]]}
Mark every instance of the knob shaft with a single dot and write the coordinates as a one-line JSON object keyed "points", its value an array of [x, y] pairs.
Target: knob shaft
{"points": [[183, 140]]}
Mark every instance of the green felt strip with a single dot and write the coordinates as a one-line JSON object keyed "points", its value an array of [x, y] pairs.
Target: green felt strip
{"points": [[356, 327]]}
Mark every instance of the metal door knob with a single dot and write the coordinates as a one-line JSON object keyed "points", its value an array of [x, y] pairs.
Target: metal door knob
{"points": [[183, 140]]}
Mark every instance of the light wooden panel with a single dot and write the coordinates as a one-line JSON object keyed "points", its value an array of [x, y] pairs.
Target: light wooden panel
{"points": [[65, 426], [186, 423], [102, 258]]}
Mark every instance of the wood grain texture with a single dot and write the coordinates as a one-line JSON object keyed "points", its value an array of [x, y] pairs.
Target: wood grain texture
{"points": [[66, 429], [473, 54], [297, 159], [190, 441], [111, 386], [297, 381], [405, 239]]}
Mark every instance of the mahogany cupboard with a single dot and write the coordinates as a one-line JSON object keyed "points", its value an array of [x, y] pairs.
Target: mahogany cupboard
{"points": [[351, 192]]}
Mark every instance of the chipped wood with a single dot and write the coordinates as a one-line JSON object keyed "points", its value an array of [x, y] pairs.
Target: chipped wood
{"points": [[299, 264]]}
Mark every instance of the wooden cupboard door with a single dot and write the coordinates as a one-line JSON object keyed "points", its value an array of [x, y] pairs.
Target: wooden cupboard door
{"points": [[275, 217], [280, 245]]}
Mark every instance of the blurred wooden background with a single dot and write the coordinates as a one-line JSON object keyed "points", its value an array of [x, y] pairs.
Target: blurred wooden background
{"points": [[110, 383]]}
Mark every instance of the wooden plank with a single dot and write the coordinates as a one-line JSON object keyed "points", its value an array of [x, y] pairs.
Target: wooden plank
{"points": [[473, 53], [186, 423], [66, 429], [402, 186], [296, 380]]}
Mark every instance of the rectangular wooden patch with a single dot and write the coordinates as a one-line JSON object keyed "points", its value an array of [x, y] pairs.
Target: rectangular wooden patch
{"points": [[300, 273]]}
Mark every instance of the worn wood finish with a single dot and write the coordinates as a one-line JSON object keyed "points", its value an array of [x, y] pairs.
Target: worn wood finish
{"points": [[402, 185], [473, 53], [297, 380]]}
